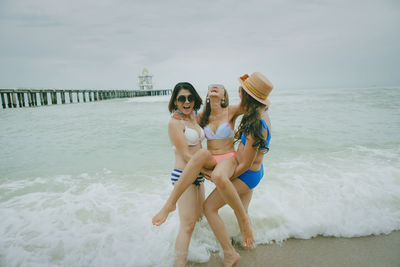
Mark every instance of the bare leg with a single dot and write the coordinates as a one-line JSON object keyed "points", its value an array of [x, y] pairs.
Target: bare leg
{"points": [[211, 206], [201, 199], [246, 198], [221, 177], [189, 207], [200, 159]]}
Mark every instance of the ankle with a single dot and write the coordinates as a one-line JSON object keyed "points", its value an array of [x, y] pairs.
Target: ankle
{"points": [[229, 251], [180, 258], [169, 206]]}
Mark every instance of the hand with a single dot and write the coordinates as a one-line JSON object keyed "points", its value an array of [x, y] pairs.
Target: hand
{"points": [[208, 177], [176, 116], [206, 173]]}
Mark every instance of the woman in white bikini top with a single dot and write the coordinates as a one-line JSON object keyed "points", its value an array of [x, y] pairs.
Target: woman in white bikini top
{"points": [[185, 135]]}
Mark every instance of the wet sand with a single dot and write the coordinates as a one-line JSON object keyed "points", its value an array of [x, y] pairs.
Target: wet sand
{"points": [[382, 251]]}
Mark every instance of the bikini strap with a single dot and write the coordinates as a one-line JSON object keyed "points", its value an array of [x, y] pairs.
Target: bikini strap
{"points": [[264, 125]]}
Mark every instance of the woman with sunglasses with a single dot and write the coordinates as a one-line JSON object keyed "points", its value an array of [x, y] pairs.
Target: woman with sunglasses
{"points": [[246, 169], [218, 120], [185, 135]]}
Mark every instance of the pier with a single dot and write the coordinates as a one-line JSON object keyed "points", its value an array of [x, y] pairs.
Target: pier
{"points": [[18, 98]]}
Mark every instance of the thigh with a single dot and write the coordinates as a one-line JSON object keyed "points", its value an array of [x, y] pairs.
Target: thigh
{"points": [[225, 168], [204, 157], [201, 196], [215, 200], [189, 204]]}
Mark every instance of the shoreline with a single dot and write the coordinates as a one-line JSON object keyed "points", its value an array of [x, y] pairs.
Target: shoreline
{"points": [[382, 250]]}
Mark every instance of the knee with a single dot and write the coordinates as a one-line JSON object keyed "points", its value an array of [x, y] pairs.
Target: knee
{"points": [[188, 227], [220, 180], [208, 208]]}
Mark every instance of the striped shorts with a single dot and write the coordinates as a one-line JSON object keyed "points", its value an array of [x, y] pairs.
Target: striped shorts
{"points": [[177, 173]]}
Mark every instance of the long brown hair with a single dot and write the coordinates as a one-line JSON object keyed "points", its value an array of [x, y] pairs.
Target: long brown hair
{"points": [[251, 121], [207, 109]]}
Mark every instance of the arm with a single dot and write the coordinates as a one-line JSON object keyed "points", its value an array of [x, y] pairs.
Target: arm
{"points": [[234, 112], [177, 138]]}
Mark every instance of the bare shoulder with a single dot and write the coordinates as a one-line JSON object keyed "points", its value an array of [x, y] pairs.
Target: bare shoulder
{"points": [[265, 117], [175, 124]]}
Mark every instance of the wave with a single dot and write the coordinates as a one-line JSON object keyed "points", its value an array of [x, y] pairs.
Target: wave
{"points": [[104, 218]]}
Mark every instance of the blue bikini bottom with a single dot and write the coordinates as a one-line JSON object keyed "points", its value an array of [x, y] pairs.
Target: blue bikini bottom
{"points": [[252, 178]]}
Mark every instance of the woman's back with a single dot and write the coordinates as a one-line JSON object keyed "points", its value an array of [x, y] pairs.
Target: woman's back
{"points": [[265, 127]]}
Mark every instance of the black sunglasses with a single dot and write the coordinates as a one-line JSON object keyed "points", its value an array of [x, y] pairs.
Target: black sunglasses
{"points": [[183, 98]]}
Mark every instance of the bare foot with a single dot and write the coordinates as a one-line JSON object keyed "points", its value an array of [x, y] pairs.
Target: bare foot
{"points": [[162, 215], [231, 257], [247, 234]]}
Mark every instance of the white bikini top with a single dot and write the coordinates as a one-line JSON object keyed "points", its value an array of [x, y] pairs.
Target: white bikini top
{"points": [[192, 136]]}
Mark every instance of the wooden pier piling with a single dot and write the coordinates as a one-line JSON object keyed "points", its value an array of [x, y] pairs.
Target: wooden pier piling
{"points": [[63, 97], [3, 102], [14, 98]]}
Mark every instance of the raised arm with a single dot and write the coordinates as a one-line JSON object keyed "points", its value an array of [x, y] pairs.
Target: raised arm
{"points": [[234, 112]]}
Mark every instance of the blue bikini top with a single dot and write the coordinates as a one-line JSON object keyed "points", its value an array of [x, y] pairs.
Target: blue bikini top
{"points": [[224, 131], [264, 125]]}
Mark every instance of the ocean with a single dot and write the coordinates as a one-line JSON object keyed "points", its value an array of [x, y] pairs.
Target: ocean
{"points": [[79, 183]]}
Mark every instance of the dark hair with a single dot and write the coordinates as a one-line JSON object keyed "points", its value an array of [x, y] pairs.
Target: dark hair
{"points": [[251, 121], [207, 109], [178, 87]]}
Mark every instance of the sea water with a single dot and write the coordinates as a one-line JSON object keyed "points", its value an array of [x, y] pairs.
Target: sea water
{"points": [[79, 183]]}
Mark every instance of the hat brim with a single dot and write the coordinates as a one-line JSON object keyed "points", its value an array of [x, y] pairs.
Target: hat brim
{"points": [[262, 101]]}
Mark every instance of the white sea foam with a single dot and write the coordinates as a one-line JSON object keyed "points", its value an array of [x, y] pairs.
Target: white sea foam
{"points": [[88, 223], [104, 220], [349, 197]]}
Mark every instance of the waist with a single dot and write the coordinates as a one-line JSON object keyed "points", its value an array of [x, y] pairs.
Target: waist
{"points": [[220, 146], [180, 162]]}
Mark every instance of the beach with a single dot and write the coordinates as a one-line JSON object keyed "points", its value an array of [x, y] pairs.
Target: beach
{"points": [[368, 251], [79, 183]]}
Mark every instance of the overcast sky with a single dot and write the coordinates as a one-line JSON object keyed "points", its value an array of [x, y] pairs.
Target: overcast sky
{"points": [[106, 44]]}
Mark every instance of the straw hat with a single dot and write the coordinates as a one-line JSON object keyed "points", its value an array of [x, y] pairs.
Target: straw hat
{"points": [[257, 86]]}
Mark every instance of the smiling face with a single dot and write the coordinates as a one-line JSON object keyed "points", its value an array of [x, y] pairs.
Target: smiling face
{"points": [[185, 101], [216, 91]]}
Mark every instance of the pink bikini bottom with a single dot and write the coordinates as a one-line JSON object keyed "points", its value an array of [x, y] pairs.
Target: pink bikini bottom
{"points": [[220, 157]]}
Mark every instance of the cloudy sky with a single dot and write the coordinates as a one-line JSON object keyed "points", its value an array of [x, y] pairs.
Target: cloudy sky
{"points": [[106, 44]]}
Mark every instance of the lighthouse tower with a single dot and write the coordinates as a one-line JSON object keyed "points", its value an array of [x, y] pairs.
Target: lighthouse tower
{"points": [[145, 80]]}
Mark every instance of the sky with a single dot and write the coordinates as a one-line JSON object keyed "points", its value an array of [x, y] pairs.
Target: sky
{"points": [[105, 44]]}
